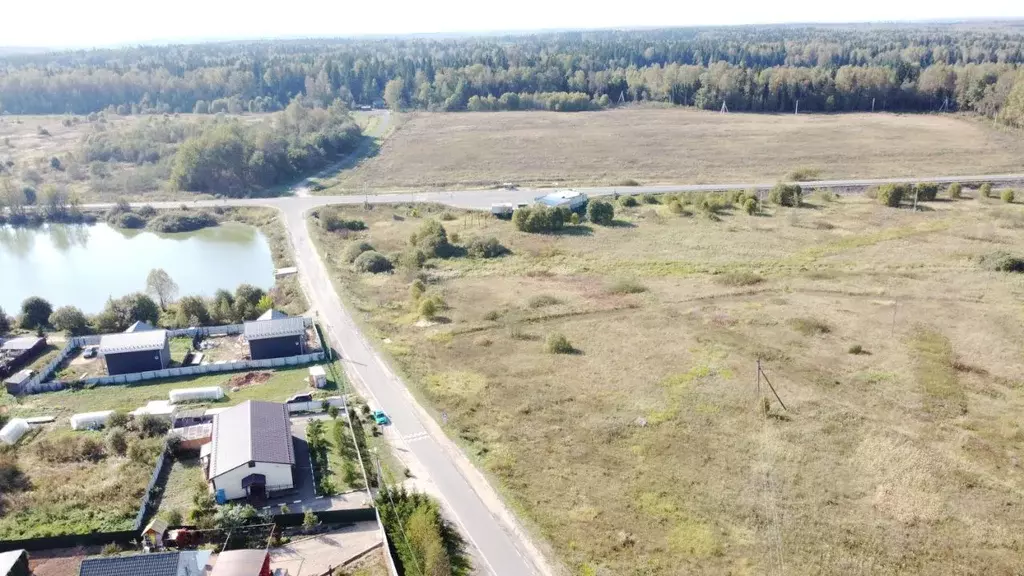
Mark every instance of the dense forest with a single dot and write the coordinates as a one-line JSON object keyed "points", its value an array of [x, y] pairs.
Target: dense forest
{"points": [[827, 68]]}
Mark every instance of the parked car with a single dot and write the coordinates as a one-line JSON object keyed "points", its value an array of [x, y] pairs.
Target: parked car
{"points": [[381, 418], [301, 397], [89, 352]]}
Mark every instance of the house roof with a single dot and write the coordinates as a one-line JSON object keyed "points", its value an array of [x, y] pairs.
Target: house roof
{"points": [[133, 342], [158, 564], [19, 377], [272, 315], [262, 329], [23, 343], [9, 560], [140, 326], [239, 563], [252, 431]]}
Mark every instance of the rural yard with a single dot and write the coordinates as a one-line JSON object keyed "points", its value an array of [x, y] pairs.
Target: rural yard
{"points": [[647, 449], [673, 146]]}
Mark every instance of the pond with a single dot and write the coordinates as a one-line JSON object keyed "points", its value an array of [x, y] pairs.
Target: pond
{"points": [[84, 265]]}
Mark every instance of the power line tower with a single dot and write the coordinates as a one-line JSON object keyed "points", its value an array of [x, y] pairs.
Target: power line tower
{"points": [[945, 105], [725, 109]]}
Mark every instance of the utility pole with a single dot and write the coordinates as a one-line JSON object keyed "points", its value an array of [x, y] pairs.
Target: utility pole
{"points": [[872, 104], [797, 109]]}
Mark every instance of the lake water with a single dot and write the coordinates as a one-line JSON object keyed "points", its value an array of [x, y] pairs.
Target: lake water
{"points": [[83, 265]]}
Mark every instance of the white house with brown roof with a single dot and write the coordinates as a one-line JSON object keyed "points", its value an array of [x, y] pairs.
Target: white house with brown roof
{"points": [[251, 453]]}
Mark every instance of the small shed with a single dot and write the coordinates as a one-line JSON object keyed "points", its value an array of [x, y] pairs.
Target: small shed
{"points": [[134, 352], [242, 563], [317, 377], [154, 532], [275, 338], [15, 385], [13, 431], [15, 563], [193, 437]]}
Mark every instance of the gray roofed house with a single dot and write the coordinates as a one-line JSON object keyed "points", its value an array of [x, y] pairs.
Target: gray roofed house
{"points": [[140, 326], [154, 564], [23, 343], [276, 338], [132, 352], [272, 315], [251, 452]]}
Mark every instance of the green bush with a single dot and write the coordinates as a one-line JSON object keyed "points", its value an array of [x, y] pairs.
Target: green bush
{"points": [[856, 349], [486, 248], [355, 249], [600, 212], [448, 216], [538, 219], [127, 220], [628, 182], [750, 206], [649, 199], [891, 195], [628, 202], [986, 190], [417, 289], [543, 301], [626, 286], [675, 207], [803, 174], [1002, 262], [954, 190], [372, 262], [428, 308], [558, 344], [173, 222], [432, 239], [1007, 196], [70, 320], [117, 441], [119, 419], [411, 259], [926, 191], [786, 195]]}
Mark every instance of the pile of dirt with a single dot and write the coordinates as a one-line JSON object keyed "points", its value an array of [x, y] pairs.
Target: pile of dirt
{"points": [[249, 379]]}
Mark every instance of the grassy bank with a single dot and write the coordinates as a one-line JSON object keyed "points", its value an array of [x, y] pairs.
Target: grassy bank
{"points": [[895, 352]]}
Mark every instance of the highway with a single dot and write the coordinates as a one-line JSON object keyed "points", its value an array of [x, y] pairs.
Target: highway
{"points": [[501, 544]]}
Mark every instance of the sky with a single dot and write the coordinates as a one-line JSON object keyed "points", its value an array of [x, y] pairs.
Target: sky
{"points": [[88, 23]]}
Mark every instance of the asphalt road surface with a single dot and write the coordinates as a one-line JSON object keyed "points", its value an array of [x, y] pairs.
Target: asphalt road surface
{"points": [[464, 492]]}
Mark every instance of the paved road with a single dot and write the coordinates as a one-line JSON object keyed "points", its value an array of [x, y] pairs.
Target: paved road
{"points": [[464, 492]]}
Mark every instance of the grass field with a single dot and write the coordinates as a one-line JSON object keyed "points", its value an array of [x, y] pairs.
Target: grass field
{"points": [[654, 146], [72, 494], [278, 388], [648, 452]]}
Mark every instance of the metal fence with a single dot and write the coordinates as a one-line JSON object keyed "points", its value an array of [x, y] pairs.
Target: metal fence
{"points": [[148, 495], [38, 383]]}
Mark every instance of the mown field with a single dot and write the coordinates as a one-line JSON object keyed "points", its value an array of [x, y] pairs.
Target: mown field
{"points": [[652, 146], [899, 358]]}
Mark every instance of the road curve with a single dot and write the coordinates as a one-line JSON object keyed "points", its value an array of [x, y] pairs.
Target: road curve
{"points": [[465, 493]]}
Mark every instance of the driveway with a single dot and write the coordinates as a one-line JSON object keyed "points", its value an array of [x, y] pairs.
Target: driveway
{"points": [[318, 554]]}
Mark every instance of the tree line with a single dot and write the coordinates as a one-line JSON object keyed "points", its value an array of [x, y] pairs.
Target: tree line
{"points": [[754, 68]]}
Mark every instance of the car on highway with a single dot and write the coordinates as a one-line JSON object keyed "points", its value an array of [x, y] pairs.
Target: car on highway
{"points": [[381, 418]]}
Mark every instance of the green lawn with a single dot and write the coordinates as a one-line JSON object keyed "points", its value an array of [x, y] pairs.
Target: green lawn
{"points": [[336, 459], [179, 348], [279, 387], [49, 353], [184, 480]]}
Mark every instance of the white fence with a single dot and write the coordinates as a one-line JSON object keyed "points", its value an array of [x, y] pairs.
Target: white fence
{"points": [[316, 405], [37, 383]]}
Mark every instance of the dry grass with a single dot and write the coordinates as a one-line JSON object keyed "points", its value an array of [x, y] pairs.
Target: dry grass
{"points": [[649, 146], [647, 453]]}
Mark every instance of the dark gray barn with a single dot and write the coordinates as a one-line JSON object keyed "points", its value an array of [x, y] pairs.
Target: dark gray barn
{"points": [[275, 338], [135, 352]]}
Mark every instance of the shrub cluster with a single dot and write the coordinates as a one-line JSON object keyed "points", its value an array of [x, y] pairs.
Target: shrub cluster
{"points": [[1002, 262], [355, 249], [600, 212], [372, 262], [954, 190], [890, 195], [536, 219], [485, 248], [986, 190], [786, 195], [558, 344], [628, 202], [926, 191], [1007, 196], [331, 220], [432, 239]]}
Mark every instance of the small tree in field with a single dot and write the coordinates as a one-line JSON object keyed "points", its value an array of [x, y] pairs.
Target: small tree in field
{"points": [[786, 195], [35, 313], [1007, 196], [600, 212], [986, 190], [160, 284], [309, 520], [70, 320], [954, 191], [558, 344]]}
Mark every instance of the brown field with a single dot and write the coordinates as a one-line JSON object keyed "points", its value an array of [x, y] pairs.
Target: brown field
{"points": [[647, 452], [674, 146]]}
